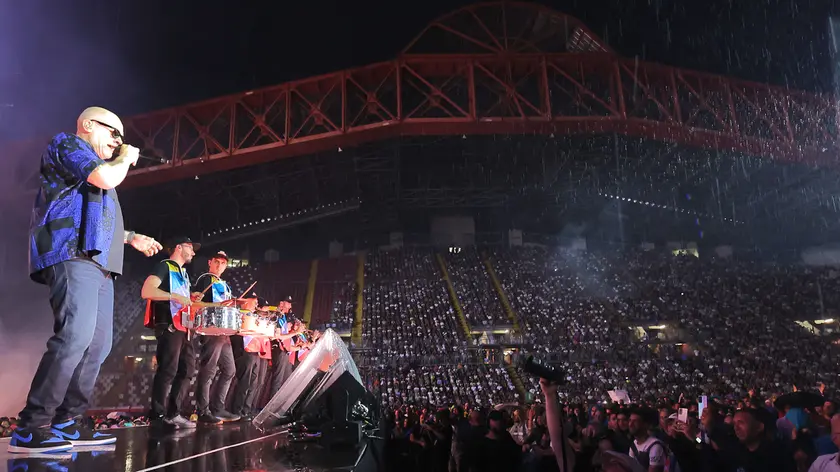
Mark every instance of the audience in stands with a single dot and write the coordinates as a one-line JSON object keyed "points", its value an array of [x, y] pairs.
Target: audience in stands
{"points": [[663, 329], [730, 333]]}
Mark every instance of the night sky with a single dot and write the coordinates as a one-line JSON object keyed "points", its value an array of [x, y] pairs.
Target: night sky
{"points": [[137, 56]]}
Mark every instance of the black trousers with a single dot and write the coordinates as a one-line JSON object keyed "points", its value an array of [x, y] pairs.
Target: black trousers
{"points": [[262, 386], [216, 356], [175, 371], [246, 381], [281, 369]]}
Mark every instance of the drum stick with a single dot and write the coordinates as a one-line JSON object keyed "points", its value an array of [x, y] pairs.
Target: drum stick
{"points": [[205, 290], [235, 303], [189, 309], [248, 289]]}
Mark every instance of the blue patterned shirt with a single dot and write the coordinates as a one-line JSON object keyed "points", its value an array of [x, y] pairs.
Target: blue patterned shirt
{"points": [[72, 219]]}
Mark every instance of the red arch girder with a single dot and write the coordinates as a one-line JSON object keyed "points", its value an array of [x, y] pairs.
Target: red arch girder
{"points": [[505, 27], [434, 95]]}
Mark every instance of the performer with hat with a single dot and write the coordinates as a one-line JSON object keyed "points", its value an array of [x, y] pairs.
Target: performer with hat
{"points": [[215, 351], [167, 292], [281, 368], [246, 352]]}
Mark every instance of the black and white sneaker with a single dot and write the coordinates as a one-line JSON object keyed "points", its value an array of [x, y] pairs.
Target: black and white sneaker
{"points": [[37, 440], [79, 435]]}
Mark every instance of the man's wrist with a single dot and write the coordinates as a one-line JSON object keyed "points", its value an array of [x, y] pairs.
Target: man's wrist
{"points": [[128, 237], [120, 160]]}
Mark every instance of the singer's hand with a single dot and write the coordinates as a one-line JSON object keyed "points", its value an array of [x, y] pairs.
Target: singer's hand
{"points": [[145, 244], [128, 153]]}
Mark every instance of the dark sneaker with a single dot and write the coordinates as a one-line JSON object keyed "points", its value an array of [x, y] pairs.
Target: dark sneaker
{"points": [[37, 440], [226, 416], [209, 419], [78, 435], [160, 424], [246, 418]]}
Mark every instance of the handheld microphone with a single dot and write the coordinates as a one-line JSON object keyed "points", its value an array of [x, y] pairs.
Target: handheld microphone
{"points": [[159, 160]]}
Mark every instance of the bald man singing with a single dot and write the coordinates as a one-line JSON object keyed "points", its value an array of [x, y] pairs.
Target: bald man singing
{"points": [[76, 245]]}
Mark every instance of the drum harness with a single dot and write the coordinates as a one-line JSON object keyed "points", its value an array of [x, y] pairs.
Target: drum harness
{"points": [[189, 308]]}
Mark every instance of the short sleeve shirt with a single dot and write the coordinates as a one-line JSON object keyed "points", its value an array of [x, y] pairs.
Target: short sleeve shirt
{"points": [[173, 279]]}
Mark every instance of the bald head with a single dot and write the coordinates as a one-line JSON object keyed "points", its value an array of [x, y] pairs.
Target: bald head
{"points": [[102, 129], [102, 115]]}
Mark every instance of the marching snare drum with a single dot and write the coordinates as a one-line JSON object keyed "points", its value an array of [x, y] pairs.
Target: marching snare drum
{"points": [[216, 321], [256, 325]]}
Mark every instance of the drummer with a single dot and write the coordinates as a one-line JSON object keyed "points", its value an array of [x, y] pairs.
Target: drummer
{"points": [[214, 351], [281, 368], [167, 291], [246, 352], [303, 343]]}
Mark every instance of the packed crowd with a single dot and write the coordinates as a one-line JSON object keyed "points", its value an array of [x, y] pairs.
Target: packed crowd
{"points": [[724, 333], [749, 434], [476, 384], [729, 332], [734, 320], [474, 289], [408, 317]]}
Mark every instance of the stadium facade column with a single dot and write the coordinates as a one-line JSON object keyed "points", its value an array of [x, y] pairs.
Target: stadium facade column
{"points": [[356, 334], [310, 292], [517, 382], [454, 297], [501, 293]]}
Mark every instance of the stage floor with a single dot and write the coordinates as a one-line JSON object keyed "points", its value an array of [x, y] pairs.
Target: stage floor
{"points": [[233, 447]]}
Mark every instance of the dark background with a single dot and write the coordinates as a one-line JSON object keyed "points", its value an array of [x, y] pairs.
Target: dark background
{"points": [[58, 57], [136, 56]]}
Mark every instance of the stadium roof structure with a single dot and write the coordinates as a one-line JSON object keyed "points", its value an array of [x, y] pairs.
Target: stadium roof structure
{"points": [[489, 68], [505, 28]]}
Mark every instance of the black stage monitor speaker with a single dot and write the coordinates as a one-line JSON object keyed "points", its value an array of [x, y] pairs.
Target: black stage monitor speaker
{"points": [[334, 403], [326, 385], [341, 433]]}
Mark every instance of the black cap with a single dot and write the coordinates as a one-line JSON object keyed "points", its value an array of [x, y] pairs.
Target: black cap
{"points": [[170, 245], [219, 255], [496, 415]]}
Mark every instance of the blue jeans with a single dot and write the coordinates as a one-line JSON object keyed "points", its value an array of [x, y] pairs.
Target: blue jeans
{"points": [[82, 299]]}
